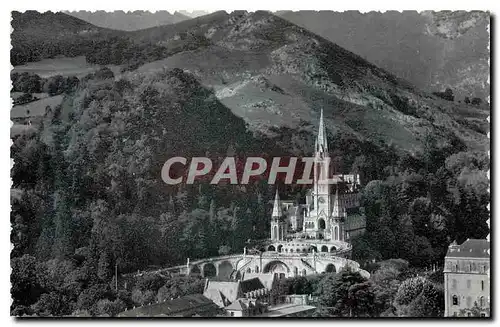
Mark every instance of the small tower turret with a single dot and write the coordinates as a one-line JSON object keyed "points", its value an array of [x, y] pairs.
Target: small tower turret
{"points": [[278, 222], [338, 218]]}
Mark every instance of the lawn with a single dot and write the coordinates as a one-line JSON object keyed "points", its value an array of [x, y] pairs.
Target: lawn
{"points": [[76, 66], [35, 108]]}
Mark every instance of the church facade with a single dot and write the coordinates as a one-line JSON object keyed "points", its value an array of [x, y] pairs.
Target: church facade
{"points": [[324, 216]]}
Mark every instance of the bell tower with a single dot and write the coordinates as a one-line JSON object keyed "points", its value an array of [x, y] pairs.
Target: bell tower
{"points": [[321, 188]]}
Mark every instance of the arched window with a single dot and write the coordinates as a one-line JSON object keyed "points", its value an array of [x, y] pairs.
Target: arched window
{"points": [[295, 271], [256, 269], [275, 234], [249, 270], [482, 285], [454, 300], [336, 233], [481, 301], [321, 224], [324, 248]]}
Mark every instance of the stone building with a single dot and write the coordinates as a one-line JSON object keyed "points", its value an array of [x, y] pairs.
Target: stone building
{"points": [[466, 278]]}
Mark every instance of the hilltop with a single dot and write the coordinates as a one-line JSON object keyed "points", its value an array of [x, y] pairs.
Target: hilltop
{"points": [[38, 36], [131, 20]]}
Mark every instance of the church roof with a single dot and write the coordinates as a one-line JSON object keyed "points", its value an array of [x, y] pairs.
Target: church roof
{"points": [[266, 279], [252, 284], [216, 296], [277, 209], [236, 305], [230, 290], [355, 221], [472, 248], [185, 305]]}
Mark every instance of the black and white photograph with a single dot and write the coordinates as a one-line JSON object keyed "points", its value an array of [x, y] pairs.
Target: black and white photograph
{"points": [[250, 164]]}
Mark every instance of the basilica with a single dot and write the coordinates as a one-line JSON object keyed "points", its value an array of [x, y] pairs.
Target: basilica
{"points": [[332, 211], [305, 239]]}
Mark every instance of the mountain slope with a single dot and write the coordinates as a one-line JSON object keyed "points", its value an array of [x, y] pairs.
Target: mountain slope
{"points": [[273, 73], [129, 21], [433, 50]]}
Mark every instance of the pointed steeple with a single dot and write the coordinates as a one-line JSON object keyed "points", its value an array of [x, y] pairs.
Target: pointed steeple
{"points": [[321, 140], [277, 210]]}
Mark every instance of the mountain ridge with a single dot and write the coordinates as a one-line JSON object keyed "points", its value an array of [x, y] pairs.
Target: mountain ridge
{"points": [[434, 50], [130, 20]]}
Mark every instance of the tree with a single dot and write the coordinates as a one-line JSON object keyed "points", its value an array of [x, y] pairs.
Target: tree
{"points": [[109, 308], [448, 94], [333, 293], [26, 287], [360, 298], [418, 297], [52, 304], [180, 286], [104, 73], [104, 267], [476, 101], [88, 299], [26, 82], [54, 85]]}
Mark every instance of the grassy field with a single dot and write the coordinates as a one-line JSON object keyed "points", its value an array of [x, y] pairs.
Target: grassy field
{"points": [[76, 66], [65, 66], [35, 108], [18, 129], [15, 95]]}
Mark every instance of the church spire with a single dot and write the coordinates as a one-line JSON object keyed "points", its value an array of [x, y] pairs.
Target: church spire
{"points": [[321, 140], [277, 210]]}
